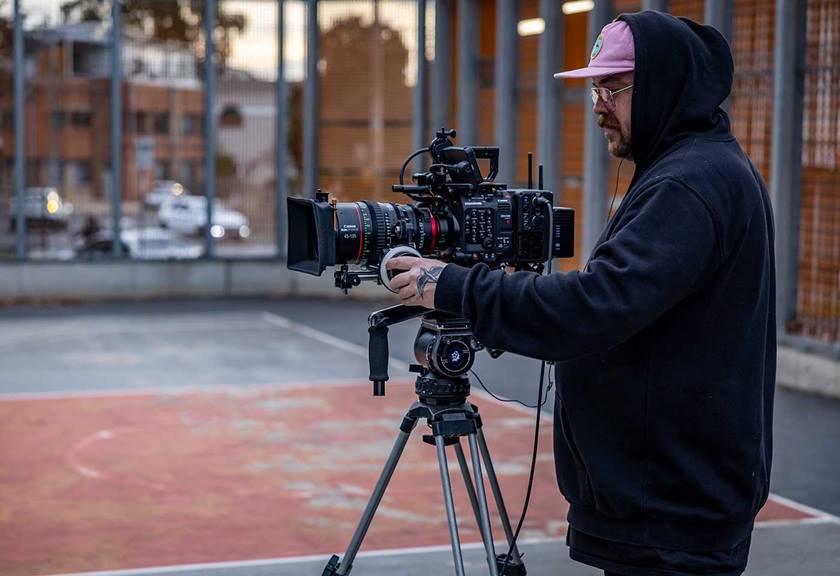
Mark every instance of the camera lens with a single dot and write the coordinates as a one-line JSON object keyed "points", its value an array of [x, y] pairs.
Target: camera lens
{"points": [[366, 230]]}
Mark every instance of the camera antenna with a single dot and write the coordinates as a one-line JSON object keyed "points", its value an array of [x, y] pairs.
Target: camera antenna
{"points": [[540, 177], [530, 170]]}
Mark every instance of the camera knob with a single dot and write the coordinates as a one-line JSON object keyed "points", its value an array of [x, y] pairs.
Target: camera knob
{"points": [[537, 221], [487, 243]]}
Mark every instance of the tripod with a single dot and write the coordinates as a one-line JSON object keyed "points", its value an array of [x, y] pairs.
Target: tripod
{"points": [[441, 386]]}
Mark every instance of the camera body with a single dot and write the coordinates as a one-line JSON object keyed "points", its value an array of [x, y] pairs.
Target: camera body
{"points": [[457, 215]]}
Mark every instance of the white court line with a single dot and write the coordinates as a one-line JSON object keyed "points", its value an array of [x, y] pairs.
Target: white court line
{"points": [[329, 339], [268, 562], [793, 523], [822, 517], [164, 570], [315, 334], [820, 514], [238, 389], [140, 326]]}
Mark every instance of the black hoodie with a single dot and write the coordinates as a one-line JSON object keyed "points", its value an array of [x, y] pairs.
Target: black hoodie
{"points": [[665, 343]]}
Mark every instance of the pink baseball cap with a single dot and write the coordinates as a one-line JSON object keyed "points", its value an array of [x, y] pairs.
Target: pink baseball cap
{"points": [[612, 53]]}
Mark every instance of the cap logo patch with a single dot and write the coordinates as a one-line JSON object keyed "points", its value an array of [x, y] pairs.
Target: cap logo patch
{"points": [[596, 48]]}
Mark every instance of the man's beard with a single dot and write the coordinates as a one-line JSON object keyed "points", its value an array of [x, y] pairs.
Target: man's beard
{"points": [[622, 145]]}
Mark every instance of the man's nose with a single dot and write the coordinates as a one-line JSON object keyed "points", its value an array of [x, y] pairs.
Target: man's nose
{"points": [[600, 107]]}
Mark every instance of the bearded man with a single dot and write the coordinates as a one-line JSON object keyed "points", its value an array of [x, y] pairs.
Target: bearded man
{"points": [[665, 343]]}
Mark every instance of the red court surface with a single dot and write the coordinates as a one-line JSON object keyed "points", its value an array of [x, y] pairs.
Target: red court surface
{"points": [[157, 479]]}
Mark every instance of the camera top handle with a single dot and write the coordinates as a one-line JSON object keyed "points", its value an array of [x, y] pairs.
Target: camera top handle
{"points": [[490, 153]]}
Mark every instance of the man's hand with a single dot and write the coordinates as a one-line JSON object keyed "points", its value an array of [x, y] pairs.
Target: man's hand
{"points": [[416, 287]]}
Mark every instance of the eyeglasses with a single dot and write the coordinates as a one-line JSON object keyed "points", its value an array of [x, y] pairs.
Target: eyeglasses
{"points": [[606, 95]]}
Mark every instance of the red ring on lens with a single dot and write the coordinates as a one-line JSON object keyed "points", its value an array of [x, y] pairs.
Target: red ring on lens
{"points": [[434, 242]]}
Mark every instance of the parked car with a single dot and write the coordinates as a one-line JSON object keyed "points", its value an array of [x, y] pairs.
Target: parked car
{"points": [[41, 205], [142, 244], [188, 215], [163, 189]]}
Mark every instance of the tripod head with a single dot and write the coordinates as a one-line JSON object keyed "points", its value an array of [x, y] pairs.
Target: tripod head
{"points": [[444, 349]]}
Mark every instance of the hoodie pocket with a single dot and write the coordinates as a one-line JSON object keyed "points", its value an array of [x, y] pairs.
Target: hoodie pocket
{"points": [[571, 472]]}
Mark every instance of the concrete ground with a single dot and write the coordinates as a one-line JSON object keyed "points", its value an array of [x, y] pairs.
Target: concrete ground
{"points": [[113, 351]]}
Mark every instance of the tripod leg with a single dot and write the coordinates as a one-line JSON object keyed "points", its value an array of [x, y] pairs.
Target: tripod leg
{"points": [[486, 532], [373, 503], [497, 494], [450, 506], [465, 472]]}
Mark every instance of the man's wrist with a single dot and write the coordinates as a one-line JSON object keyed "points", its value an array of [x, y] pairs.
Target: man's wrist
{"points": [[450, 289]]}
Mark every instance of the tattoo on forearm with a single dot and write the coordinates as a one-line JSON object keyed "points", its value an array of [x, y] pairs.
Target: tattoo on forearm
{"points": [[428, 276]]}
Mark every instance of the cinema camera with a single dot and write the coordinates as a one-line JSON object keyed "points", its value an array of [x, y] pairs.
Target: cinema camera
{"points": [[457, 216]]}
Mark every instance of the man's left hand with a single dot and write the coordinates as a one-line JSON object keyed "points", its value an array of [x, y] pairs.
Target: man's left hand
{"points": [[416, 286]]}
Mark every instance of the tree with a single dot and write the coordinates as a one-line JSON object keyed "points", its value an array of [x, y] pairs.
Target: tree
{"points": [[6, 48], [177, 20]]}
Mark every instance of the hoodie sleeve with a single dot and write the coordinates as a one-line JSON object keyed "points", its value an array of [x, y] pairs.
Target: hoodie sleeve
{"points": [[664, 246]]}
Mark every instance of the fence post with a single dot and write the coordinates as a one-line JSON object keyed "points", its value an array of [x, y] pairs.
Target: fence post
{"points": [[719, 13], [596, 157], [506, 65], [661, 5], [20, 220], [280, 136], [467, 103], [442, 67], [209, 122], [550, 98], [786, 169], [310, 103], [116, 127], [420, 124]]}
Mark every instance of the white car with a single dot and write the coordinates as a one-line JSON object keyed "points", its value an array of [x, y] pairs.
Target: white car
{"points": [[188, 215], [143, 244], [162, 190], [42, 205]]}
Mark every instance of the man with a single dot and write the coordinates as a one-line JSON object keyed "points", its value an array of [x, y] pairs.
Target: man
{"points": [[665, 343]]}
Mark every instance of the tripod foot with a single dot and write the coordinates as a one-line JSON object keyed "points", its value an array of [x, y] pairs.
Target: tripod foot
{"points": [[508, 567], [332, 567]]}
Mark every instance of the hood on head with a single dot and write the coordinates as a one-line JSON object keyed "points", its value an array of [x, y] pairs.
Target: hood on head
{"points": [[683, 74]]}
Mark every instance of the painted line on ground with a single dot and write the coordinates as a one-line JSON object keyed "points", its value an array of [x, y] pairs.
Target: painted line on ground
{"points": [[804, 508], [211, 567], [325, 338], [268, 562], [279, 321], [237, 320], [245, 388]]}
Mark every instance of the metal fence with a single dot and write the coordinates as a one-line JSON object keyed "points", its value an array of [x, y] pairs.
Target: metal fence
{"points": [[171, 132], [205, 152]]}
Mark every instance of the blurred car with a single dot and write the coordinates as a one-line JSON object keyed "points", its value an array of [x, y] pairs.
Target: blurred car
{"points": [[188, 215], [163, 189], [41, 205], [142, 244]]}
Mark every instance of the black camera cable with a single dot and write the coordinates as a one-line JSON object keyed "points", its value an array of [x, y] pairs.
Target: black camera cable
{"points": [[540, 403], [407, 160]]}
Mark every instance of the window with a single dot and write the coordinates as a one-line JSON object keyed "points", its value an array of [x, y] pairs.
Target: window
{"points": [[162, 170], [7, 120], [161, 123], [57, 119], [80, 119], [231, 117], [77, 172], [190, 173], [191, 125], [141, 123]]}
